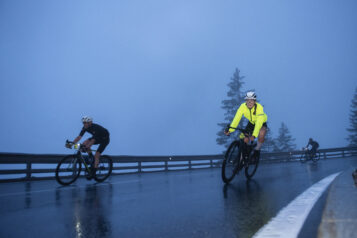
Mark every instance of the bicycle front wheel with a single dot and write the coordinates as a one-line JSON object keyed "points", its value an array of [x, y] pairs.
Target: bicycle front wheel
{"points": [[303, 158], [230, 162], [252, 166], [105, 168], [68, 169]]}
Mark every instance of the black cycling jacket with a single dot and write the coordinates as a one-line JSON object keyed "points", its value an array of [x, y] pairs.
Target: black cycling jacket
{"points": [[98, 132]]}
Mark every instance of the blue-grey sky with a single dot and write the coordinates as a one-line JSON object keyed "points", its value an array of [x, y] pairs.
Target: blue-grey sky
{"points": [[155, 72]]}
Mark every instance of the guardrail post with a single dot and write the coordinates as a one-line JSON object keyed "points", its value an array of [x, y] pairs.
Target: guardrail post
{"points": [[189, 164], [139, 166], [211, 163], [325, 155], [343, 153], [28, 170], [166, 166]]}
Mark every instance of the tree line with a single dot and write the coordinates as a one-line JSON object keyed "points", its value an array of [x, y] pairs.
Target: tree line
{"points": [[284, 141]]}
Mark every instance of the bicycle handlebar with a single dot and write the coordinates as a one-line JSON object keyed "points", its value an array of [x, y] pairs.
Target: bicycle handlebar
{"points": [[244, 131], [79, 146]]}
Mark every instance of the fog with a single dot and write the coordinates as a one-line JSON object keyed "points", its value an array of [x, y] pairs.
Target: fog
{"points": [[154, 73]]}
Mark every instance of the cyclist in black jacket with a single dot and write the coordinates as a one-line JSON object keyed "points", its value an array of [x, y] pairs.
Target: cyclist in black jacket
{"points": [[314, 147], [100, 136]]}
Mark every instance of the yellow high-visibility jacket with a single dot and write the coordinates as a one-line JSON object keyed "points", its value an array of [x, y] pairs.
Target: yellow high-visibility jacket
{"points": [[256, 116]]}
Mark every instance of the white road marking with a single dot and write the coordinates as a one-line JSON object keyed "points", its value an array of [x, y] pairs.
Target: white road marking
{"points": [[289, 221]]}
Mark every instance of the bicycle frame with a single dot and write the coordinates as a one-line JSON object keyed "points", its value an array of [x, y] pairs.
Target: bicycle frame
{"points": [[240, 160], [80, 148], [69, 168], [307, 155], [246, 147], [80, 156]]}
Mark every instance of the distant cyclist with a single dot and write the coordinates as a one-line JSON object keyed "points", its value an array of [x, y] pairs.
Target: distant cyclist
{"points": [[314, 147], [100, 136], [257, 124]]}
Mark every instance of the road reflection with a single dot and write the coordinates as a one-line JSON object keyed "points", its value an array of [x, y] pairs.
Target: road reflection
{"points": [[90, 217], [28, 197], [89, 210], [246, 208]]}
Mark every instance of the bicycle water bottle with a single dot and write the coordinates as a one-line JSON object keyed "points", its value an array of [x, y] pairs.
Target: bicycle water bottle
{"points": [[86, 159], [90, 159]]}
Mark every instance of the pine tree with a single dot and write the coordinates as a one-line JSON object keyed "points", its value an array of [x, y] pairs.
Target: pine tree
{"points": [[284, 142], [352, 138], [230, 106]]}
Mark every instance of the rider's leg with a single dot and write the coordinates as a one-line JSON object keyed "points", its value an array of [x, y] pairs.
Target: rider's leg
{"points": [[99, 151], [261, 138], [310, 154], [89, 142], [313, 151], [96, 159], [260, 141], [249, 128]]}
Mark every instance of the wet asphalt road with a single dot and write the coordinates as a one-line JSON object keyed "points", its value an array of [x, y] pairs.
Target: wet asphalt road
{"points": [[174, 204]]}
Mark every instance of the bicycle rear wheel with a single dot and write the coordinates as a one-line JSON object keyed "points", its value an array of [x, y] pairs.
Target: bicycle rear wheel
{"points": [[68, 169], [252, 166], [230, 162], [105, 168]]}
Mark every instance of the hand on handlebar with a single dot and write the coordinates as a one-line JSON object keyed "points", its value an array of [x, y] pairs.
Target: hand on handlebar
{"points": [[69, 145], [226, 130]]}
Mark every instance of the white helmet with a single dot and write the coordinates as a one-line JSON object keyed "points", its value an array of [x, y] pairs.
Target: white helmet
{"points": [[251, 95], [87, 119]]}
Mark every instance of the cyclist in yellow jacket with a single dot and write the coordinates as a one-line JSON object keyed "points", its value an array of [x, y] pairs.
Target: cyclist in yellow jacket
{"points": [[257, 124]]}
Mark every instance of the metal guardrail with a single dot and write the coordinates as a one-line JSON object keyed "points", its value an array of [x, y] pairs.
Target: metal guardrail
{"points": [[42, 166]]}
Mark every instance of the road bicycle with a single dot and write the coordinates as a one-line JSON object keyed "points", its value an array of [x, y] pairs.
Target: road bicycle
{"points": [[70, 167], [306, 155], [238, 156]]}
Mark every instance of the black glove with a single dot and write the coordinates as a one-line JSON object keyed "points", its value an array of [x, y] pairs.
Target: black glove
{"points": [[69, 145]]}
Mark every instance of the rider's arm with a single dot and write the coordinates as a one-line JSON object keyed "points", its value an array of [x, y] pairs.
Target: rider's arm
{"points": [[309, 143], [237, 118], [78, 138], [259, 122]]}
